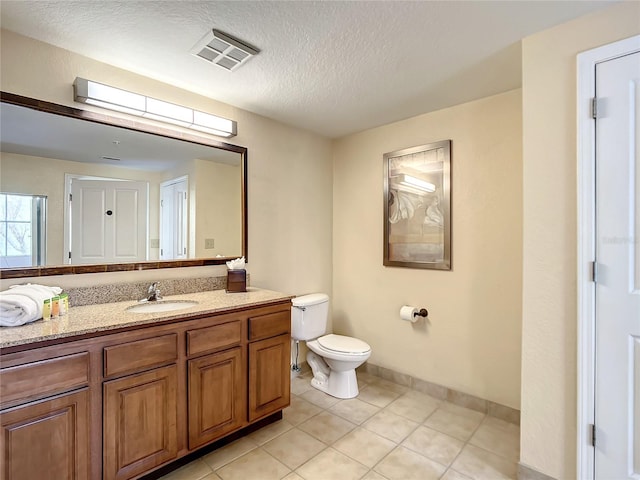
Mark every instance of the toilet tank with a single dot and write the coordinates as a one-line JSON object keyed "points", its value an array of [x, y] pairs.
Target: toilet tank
{"points": [[309, 316]]}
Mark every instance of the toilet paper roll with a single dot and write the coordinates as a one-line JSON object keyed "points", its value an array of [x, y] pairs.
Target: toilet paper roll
{"points": [[408, 313]]}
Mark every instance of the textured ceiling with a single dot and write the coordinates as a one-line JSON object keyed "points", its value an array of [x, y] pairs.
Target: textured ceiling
{"points": [[331, 67]]}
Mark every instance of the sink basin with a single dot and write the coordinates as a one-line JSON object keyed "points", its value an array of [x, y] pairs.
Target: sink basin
{"points": [[161, 306]]}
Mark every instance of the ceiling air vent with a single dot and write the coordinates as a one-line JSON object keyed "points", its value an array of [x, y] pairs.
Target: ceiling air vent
{"points": [[223, 50]]}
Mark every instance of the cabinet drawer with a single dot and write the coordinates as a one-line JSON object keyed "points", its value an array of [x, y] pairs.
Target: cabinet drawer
{"points": [[214, 338], [143, 354], [270, 325], [44, 378]]}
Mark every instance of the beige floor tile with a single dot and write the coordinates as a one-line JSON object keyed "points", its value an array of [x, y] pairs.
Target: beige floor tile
{"points": [[327, 427], [433, 445], [414, 406], [299, 411], [389, 425], [458, 422], [377, 395], [480, 464], [499, 437], [403, 464], [331, 464], [270, 431], [211, 476], [453, 475], [257, 464], [229, 453], [365, 378], [386, 384], [294, 447], [364, 446], [300, 384], [293, 476], [195, 470], [354, 410], [373, 476], [319, 398]]}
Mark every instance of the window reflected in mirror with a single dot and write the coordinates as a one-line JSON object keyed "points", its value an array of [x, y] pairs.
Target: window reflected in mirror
{"points": [[22, 230]]}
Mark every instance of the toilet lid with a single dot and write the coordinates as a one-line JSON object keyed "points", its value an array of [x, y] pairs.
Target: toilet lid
{"points": [[340, 343]]}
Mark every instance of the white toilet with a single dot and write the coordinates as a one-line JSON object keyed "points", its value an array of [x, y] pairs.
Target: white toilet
{"points": [[332, 358]]}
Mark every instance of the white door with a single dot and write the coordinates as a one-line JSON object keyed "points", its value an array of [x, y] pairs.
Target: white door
{"points": [[617, 402], [108, 221], [173, 219]]}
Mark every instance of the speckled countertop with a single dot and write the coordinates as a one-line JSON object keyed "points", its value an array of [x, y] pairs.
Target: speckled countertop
{"points": [[108, 316]]}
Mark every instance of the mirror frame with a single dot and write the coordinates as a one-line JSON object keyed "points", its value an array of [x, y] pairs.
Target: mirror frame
{"points": [[100, 118]]}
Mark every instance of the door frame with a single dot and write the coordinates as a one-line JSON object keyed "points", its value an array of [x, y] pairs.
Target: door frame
{"points": [[586, 245]]}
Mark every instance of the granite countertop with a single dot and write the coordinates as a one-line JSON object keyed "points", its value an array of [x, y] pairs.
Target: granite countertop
{"points": [[109, 316]]}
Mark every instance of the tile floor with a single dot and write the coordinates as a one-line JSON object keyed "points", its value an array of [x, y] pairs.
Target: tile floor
{"points": [[388, 432]]}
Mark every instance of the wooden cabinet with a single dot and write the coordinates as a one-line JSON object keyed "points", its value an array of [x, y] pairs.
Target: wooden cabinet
{"points": [[140, 418], [120, 405], [46, 439], [269, 376], [217, 396]]}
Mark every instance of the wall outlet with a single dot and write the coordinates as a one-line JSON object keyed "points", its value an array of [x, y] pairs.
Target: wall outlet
{"points": [[209, 243], [154, 243]]}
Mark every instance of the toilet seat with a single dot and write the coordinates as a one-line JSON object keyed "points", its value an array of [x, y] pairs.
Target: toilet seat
{"points": [[342, 344]]}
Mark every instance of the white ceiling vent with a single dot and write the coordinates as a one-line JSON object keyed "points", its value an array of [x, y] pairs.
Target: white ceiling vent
{"points": [[223, 50]]}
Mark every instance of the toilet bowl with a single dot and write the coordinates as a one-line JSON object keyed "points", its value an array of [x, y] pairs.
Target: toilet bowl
{"points": [[333, 358], [342, 355]]}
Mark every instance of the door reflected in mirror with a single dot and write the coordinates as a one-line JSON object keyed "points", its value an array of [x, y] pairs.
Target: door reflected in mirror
{"points": [[112, 194]]}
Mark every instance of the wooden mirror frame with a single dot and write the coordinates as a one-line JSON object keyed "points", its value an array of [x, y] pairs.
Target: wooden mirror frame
{"points": [[96, 117]]}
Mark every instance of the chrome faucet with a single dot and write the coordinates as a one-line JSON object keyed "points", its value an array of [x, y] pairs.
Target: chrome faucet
{"points": [[153, 293]]}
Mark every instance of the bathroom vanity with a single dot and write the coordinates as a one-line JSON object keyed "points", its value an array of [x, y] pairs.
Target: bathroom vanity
{"points": [[107, 393]]}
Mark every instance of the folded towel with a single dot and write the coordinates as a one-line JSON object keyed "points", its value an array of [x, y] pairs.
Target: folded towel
{"points": [[23, 303]]}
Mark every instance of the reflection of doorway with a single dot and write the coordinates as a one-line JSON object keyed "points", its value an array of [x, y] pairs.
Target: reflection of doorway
{"points": [[173, 218], [108, 221]]}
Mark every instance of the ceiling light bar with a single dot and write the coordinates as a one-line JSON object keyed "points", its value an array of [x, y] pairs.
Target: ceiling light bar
{"points": [[413, 184], [105, 96], [223, 50]]}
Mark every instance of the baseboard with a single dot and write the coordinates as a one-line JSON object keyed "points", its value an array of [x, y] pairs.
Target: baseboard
{"points": [[441, 392], [527, 473]]}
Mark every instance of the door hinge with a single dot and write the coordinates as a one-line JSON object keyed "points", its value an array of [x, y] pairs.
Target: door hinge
{"points": [[593, 435], [70, 196], [594, 107], [69, 255], [594, 272], [185, 195]]}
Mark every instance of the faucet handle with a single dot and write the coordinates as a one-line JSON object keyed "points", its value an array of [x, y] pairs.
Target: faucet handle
{"points": [[153, 287]]}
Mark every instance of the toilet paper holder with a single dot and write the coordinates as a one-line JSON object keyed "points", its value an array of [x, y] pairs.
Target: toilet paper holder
{"points": [[421, 313]]}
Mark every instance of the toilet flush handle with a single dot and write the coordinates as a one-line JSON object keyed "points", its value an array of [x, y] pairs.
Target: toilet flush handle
{"points": [[299, 307]]}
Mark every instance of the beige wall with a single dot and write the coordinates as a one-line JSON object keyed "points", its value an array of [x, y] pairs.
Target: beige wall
{"points": [[290, 170], [472, 342], [548, 430], [219, 204]]}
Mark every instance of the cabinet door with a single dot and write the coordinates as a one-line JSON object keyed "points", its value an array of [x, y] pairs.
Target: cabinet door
{"points": [[140, 422], [217, 396], [269, 376], [46, 439]]}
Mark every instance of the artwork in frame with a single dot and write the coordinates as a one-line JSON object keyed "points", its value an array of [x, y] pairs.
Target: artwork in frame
{"points": [[417, 207]]}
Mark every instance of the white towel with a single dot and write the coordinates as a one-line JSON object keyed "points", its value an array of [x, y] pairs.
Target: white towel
{"points": [[23, 303]]}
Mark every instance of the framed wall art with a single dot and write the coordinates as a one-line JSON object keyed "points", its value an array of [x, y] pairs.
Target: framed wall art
{"points": [[417, 207]]}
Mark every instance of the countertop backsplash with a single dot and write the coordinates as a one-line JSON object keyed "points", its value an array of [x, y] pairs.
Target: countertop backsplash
{"points": [[121, 292]]}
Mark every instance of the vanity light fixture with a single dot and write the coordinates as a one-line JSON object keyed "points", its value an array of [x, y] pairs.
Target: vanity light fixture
{"points": [[223, 50], [105, 96], [411, 183]]}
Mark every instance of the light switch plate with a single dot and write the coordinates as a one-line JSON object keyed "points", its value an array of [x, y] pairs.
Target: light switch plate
{"points": [[209, 243]]}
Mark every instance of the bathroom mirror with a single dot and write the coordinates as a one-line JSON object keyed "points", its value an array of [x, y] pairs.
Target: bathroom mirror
{"points": [[85, 192]]}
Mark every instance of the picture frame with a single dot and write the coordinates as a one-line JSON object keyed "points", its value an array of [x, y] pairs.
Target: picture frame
{"points": [[417, 207]]}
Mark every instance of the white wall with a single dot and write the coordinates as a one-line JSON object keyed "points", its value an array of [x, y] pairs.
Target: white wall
{"points": [[548, 420], [289, 170], [472, 343]]}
